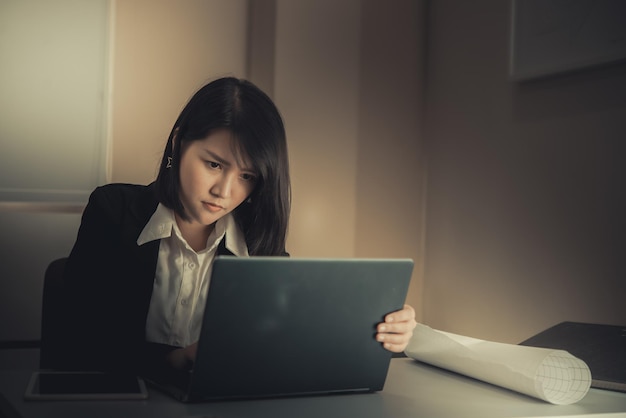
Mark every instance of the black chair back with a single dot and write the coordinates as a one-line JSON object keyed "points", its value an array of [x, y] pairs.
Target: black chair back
{"points": [[52, 314]]}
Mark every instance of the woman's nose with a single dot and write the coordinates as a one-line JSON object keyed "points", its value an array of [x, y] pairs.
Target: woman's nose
{"points": [[223, 186]]}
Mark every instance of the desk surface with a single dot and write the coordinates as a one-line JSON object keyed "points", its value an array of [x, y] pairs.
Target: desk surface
{"points": [[412, 389]]}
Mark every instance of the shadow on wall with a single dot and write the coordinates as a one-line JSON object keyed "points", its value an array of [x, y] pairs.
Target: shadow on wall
{"points": [[29, 242]]}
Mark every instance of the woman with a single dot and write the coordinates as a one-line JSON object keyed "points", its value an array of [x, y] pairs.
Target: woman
{"points": [[137, 274]]}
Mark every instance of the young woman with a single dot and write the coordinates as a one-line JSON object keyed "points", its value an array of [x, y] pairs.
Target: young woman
{"points": [[137, 275]]}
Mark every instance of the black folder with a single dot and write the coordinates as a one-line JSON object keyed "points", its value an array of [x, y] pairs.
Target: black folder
{"points": [[602, 347]]}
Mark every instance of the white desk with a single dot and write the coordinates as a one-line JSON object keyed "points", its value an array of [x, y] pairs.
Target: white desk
{"points": [[412, 390]]}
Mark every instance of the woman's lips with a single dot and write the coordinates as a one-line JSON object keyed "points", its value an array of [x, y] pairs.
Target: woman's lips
{"points": [[212, 207]]}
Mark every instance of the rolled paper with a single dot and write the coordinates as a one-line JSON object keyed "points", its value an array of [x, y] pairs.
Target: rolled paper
{"points": [[554, 376]]}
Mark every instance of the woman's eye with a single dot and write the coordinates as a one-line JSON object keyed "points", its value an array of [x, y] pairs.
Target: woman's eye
{"points": [[212, 164], [248, 177]]}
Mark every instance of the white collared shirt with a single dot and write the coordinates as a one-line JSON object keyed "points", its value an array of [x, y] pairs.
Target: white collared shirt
{"points": [[182, 276]]}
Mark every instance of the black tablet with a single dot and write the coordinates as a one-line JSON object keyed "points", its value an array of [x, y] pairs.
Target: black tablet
{"points": [[52, 385]]}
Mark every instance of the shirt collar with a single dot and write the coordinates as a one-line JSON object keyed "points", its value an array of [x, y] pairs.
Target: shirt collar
{"points": [[235, 240], [163, 222], [159, 226]]}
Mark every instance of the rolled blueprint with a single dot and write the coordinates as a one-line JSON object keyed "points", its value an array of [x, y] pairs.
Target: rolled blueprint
{"points": [[552, 375]]}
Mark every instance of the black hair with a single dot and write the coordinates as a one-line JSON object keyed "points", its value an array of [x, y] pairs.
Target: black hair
{"points": [[255, 122]]}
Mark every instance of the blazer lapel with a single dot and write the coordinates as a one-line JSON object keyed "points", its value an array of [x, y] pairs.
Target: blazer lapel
{"points": [[142, 259]]}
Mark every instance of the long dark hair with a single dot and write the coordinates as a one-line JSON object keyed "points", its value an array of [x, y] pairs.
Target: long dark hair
{"points": [[256, 124]]}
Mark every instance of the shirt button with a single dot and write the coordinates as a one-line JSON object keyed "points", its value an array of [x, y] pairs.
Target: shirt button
{"points": [[183, 302], [192, 265]]}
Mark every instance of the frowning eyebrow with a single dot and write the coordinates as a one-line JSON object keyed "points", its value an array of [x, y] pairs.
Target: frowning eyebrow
{"points": [[217, 158]]}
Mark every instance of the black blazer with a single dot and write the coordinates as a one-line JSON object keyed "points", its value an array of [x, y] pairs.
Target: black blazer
{"points": [[109, 281]]}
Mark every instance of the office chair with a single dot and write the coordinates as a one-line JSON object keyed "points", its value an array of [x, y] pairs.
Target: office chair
{"points": [[51, 314]]}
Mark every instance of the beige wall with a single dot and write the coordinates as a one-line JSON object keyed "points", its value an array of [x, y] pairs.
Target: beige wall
{"points": [[391, 167], [164, 50], [316, 87], [350, 96], [526, 201]]}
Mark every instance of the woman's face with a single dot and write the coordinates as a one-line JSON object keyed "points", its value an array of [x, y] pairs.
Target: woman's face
{"points": [[213, 180]]}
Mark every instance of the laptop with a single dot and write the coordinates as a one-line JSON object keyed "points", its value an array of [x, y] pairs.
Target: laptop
{"points": [[280, 326], [602, 347]]}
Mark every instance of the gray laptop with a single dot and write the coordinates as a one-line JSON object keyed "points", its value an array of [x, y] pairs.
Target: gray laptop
{"points": [[279, 326]]}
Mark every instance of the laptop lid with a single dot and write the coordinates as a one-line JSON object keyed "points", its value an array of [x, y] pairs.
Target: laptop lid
{"points": [[601, 346], [279, 326]]}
